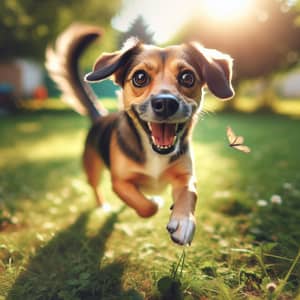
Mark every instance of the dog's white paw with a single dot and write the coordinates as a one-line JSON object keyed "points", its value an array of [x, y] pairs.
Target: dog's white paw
{"points": [[105, 207], [159, 201], [182, 229]]}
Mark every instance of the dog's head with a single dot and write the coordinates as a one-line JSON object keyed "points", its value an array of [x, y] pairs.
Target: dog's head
{"points": [[163, 86]]}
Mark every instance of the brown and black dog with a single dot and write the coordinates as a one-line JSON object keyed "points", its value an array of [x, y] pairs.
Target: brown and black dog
{"points": [[146, 145]]}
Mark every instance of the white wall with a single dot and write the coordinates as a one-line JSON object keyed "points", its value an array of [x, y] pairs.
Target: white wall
{"points": [[290, 85], [31, 76]]}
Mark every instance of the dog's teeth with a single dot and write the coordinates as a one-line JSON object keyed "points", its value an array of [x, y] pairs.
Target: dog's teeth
{"points": [[149, 126], [161, 147]]}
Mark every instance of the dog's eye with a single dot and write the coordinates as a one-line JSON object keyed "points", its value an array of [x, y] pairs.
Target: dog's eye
{"points": [[140, 79], [186, 79]]}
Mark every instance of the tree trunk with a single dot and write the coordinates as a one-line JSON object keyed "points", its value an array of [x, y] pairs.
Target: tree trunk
{"points": [[267, 95]]}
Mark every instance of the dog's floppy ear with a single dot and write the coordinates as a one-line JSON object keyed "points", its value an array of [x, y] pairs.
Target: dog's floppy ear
{"points": [[114, 63], [216, 70]]}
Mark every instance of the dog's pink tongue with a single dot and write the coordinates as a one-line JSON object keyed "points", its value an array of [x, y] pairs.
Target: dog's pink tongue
{"points": [[163, 133]]}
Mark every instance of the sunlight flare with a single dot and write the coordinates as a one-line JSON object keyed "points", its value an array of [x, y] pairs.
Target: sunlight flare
{"points": [[173, 14], [227, 10]]}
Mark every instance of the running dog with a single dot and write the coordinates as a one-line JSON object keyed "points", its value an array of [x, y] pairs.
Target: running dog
{"points": [[147, 144]]}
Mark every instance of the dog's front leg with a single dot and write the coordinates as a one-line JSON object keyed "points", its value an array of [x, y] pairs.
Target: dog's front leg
{"points": [[182, 222], [130, 194]]}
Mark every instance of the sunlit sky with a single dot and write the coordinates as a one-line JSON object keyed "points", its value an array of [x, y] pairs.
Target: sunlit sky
{"points": [[165, 17]]}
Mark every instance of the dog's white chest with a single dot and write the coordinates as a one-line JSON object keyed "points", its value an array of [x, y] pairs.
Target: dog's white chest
{"points": [[154, 168], [156, 165]]}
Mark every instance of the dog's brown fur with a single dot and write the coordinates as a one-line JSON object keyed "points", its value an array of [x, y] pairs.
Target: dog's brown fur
{"points": [[122, 141]]}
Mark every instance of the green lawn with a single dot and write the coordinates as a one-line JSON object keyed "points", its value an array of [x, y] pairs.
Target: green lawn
{"points": [[55, 245]]}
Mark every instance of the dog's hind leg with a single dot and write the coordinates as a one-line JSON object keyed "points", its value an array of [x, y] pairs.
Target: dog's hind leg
{"points": [[93, 166]]}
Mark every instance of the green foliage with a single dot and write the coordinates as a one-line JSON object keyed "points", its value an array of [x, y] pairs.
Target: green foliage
{"points": [[27, 26], [139, 29]]}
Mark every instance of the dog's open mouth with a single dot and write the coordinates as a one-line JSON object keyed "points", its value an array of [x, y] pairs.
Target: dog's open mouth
{"points": [[164, 136]]}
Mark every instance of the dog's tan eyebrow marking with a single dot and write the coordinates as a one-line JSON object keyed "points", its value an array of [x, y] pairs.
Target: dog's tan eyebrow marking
{"points": [[149, 66], [137, 66], [181, 64]]}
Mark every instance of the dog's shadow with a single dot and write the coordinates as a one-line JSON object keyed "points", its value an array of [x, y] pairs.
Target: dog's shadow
{"points": [[69, 267]]}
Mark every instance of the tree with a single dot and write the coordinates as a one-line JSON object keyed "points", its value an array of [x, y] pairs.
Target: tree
{"points": [[138, 29], [27, 26], [265, 41]]}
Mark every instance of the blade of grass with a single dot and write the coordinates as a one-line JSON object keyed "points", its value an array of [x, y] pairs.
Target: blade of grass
{"points": [[260, 259], [224, 292], [278, 257], [180, 263], [287, 276]]}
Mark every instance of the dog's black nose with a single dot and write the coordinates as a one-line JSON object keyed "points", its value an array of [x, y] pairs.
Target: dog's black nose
{"points": [[164, 105]]}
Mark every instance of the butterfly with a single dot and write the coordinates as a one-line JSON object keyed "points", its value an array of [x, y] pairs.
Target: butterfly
{"points": [[236, 142]]}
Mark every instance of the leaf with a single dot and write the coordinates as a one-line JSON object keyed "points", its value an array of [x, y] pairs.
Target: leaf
{"points": [[164, 284], [84, 276], [267, 247], [169, 288]]}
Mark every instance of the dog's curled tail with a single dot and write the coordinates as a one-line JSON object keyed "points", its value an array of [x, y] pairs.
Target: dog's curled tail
{"points": [[62, 63]]}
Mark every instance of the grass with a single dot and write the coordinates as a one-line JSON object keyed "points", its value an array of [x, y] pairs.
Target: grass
{"points": [[55, 245]]}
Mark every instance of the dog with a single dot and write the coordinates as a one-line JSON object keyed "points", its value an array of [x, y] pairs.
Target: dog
{"points": [[147, 144]]}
